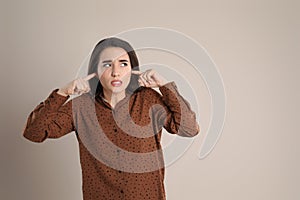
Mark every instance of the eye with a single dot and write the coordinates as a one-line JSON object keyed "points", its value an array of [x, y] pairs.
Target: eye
{"points": [[124, 64], [106, 65]]}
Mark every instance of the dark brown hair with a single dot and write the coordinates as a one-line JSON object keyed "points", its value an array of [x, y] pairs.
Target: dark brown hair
{"points": [[95, 84]]}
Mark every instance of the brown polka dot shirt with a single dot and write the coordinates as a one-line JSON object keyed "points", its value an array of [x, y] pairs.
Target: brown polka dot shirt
{"points": [[120, 151]]}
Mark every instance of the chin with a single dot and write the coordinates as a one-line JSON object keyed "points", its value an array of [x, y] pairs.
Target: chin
{"points": [[117, 90]]}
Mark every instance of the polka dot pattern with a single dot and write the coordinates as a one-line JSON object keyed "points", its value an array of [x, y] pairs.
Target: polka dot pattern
{"points": [[133, 125]]}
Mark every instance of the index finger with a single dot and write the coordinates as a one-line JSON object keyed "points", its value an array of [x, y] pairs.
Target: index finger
{"points": [[88, 77], [136, 72]]}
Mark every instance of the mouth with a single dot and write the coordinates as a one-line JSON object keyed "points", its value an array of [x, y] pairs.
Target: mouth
{"points": [[116, 83]]}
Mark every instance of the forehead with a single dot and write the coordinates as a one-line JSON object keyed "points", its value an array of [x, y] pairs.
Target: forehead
{"points": [[112, 53]]}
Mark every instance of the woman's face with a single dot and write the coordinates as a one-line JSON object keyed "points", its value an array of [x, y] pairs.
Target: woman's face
{"points": [[114, 70]]}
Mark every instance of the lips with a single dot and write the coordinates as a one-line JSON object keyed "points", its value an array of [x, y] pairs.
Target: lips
{"points": [[116, 83]]}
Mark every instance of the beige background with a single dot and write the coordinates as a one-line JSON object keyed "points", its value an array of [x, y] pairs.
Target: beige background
{"points": [[255, 45]]}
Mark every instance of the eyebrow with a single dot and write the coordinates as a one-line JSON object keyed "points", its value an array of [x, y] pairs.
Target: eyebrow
{"points": [[107, 61]]}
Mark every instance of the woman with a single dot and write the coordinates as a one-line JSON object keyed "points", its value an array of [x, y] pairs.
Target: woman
{"points": [[118, 120]]}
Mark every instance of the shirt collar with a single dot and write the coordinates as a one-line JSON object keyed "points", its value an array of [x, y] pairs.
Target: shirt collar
{"points": [[106, 102]]}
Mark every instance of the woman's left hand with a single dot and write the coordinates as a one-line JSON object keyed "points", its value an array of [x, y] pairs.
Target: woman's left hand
{"points": [[150, 78]]}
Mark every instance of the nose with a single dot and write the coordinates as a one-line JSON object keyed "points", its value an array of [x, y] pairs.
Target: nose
{"points": [[115, 71]]}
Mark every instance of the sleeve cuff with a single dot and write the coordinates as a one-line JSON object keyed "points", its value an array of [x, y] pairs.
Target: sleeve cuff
{"points": [[168, 87], [56, 100]]}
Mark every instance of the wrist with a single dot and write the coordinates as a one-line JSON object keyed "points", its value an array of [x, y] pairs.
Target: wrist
{"points": [[61, 92], [162, 82]]}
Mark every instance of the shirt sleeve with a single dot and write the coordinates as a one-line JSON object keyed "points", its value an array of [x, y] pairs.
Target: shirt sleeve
{"points": [[176, 116], [52, 118]]}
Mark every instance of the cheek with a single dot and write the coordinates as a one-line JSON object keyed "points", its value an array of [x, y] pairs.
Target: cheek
{"points": [[127, 75], [104, 77]]}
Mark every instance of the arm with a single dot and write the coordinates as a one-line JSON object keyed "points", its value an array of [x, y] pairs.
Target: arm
{"points": [[174, 112], [177, 116], [50, 119]]}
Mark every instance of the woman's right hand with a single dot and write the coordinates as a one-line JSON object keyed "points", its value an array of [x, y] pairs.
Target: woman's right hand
{"points": [[77, 86]]}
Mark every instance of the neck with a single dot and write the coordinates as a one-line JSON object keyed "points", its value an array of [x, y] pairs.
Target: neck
{"points": [[113, 98]]}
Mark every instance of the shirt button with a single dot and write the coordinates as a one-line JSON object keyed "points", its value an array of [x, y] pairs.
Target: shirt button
{"points": [[115, 130]]}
